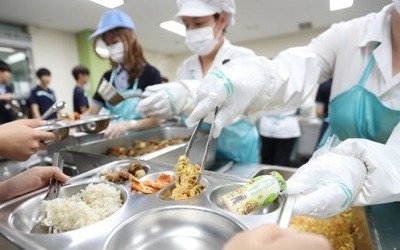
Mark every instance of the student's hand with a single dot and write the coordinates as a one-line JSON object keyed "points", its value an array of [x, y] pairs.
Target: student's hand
{"points": [[29, 180], [19, 140], [272, 237]]}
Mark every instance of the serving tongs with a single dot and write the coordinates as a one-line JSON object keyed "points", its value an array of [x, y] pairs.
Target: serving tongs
{"points": [[54, 185], [192, 138]]}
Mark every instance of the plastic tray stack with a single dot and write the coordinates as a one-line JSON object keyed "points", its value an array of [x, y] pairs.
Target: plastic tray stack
{"points": [[151, 221]]}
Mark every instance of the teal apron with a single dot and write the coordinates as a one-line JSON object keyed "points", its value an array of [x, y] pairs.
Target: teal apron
{"points": [[238, 142], [127, 108], [358, 113]]}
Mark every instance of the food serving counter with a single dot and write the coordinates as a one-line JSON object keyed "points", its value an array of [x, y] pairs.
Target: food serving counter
{"points": [[144, 221], [382, 220]]}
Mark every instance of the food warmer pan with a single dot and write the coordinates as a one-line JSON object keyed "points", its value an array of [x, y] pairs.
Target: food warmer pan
{"points": [[167, 155], [145, 221]]}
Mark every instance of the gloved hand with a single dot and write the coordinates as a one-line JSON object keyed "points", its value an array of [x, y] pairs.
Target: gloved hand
{"points": [[249, 85], [116, 129], [327, 185], [163, 100], [232, 87]]}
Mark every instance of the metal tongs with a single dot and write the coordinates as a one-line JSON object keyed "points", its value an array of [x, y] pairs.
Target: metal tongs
{"points": [[55, 185], [192, 138]]}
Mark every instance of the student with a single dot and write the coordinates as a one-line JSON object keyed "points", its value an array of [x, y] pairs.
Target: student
{"points": [[19, 140], [81, 76], [362, 56], [130, 72], [206, 24], [6, 94], [42, 97]]}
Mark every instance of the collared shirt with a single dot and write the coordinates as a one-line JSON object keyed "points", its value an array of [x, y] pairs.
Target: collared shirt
{"points": [[44, 98], [191, 69], [344, 51]]}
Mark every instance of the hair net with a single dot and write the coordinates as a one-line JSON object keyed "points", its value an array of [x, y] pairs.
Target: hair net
{"points": [[207, 7]]}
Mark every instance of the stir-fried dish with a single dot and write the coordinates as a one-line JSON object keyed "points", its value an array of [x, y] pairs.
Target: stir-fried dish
{"points": [[150, 186], [140, 147], [185, 184], [135, 169]]}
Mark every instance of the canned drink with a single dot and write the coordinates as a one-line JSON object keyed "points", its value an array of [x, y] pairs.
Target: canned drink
{"points": [[259, 192]]}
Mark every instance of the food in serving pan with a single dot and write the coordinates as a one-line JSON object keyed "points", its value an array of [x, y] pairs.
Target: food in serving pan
{"points": [[185, 185], [121, 175], [140, 147], [150, 186], [68, 117], [259, 192], [343, 231], [90, 205]]}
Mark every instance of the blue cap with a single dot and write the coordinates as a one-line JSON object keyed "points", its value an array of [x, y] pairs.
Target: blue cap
{"points": [[112, 19]]}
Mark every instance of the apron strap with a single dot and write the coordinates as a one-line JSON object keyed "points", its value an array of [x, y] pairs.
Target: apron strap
{"points": [[367, 71]]}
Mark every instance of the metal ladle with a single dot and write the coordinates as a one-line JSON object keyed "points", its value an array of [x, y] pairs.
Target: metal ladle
{"points": [[57, 106]]}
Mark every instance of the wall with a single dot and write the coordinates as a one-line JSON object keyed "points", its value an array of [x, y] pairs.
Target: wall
{"points": [[58, 52]]}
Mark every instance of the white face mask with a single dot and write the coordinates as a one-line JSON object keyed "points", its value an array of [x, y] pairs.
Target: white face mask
{"points": [[116, 52], [201, 41]]}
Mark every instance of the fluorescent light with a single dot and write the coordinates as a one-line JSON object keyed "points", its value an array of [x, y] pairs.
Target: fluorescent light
{"points": [[14, 58], [109, 3], [340, 4], [174, 27], [7, 50]]}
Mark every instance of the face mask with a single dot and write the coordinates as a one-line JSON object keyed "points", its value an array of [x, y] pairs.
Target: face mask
{"points": [[201, 41], [397, 5], [116, 52]]}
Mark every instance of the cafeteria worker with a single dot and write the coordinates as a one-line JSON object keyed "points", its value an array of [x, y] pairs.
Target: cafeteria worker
{"points": [[130, 72], [206, 22], [363, 58]]}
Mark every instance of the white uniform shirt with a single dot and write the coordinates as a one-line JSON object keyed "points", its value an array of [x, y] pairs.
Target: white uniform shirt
{"points": [[190, 69], [344, 51], [281, 126]]}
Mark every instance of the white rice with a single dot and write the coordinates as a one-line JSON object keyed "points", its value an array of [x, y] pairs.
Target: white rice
{"points": [[94, 203]]}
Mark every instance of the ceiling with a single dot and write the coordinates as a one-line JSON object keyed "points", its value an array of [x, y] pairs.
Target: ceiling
{"points": [[255, 19]]}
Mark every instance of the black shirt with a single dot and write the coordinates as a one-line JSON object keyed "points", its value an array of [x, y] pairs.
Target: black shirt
{"points": [[80, 99], [44, 98], [323, 94], [6, 113], [150, 76]]}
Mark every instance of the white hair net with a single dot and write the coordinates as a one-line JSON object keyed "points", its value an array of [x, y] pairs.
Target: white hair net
{"points": [[228, 6]]}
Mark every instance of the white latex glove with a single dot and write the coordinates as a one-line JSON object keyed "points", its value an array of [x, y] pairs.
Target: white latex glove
{"points": [[232, 96], [163, 100], [116, 129], [346, 163], [327, 185], [250, 85]]}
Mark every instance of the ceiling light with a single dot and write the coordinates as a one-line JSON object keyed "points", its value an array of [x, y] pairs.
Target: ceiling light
{"points": [[340, 4], [174, 27], [109, 3], [14, 58], [7, 50]]}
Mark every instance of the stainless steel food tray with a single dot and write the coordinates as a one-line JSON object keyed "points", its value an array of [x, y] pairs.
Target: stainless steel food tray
{"points": [[144, 221], [167, 155]]}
